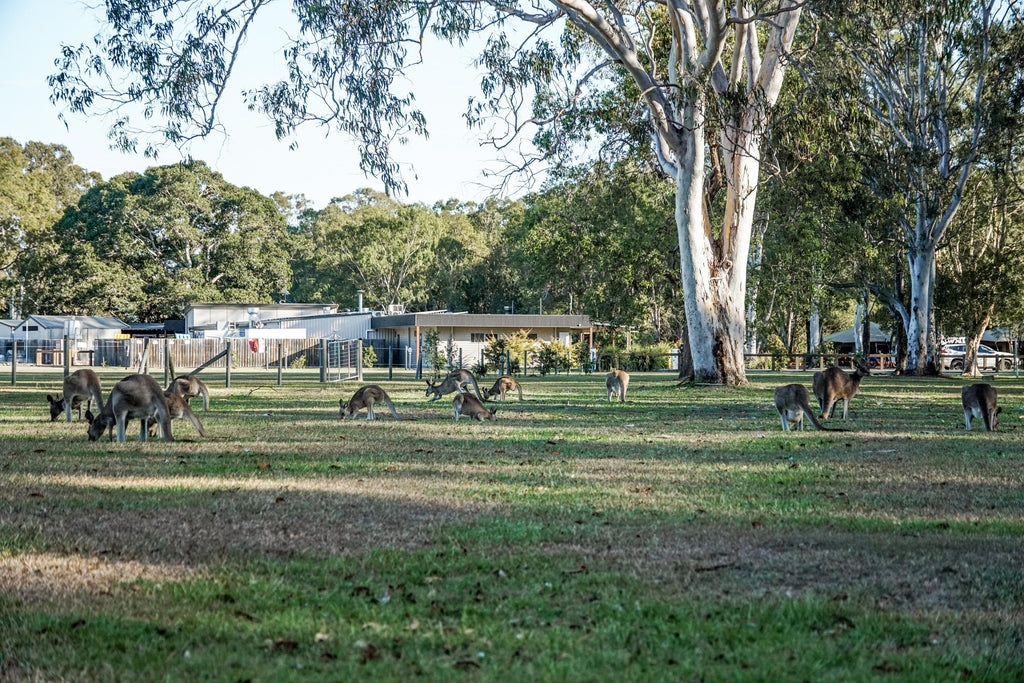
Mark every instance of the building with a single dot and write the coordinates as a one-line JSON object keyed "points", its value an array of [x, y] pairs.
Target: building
{"points": [[40, 337], [469, 332], [219, 320]]}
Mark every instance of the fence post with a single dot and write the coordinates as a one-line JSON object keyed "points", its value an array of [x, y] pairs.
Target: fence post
{"points": [[67, 355], [227, 364], [167, 362], [524, 364], [391, 358], [14, 362], [279, 362], [460, 358], [323, 361], [359, 360]]}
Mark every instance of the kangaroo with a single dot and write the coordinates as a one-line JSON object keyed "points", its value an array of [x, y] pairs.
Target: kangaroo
{"points": [[456, 380], [617, 382], [793, 402], [980, 401], [366, 397], [78, 385], [134, 396], [188, 387], [178, 409], [832, 385], [470, 405], [502, 386]]}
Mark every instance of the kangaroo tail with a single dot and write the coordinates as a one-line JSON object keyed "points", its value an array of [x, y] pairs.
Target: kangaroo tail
{"points": [[519, 387], [206, 397], [391, 407], [810, 413], [476, 388], [194, 419]]}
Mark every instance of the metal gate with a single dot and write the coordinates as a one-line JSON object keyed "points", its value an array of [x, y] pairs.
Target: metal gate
{"points": [[342, 360]]}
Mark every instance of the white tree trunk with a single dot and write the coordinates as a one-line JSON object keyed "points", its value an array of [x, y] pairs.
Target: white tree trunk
{"points": [[714, 272], [922, 269]]}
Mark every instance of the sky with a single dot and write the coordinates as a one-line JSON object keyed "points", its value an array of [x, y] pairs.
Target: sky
{"points": [[448, 165]]}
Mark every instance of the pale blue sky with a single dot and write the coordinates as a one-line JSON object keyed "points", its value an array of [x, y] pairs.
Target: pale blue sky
{"points": [[447, 165]]}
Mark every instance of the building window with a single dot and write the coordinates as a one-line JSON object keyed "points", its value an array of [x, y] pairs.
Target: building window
{"points": [[32, 328], [477, 337], [532, 335]]}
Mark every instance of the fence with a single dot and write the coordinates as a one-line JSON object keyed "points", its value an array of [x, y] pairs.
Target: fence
{"points": [[339, 359], [343, 360]]}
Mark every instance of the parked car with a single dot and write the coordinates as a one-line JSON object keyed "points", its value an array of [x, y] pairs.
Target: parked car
{"points": [[952, 358]]}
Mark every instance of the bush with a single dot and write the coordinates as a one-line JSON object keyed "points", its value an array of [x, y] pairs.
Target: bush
{"points": [[369, 356], [554, 356], [515, 345], [648, 358], [479, 370]]}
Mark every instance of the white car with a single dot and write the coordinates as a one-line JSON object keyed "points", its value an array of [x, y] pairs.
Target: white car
{"points": [[952, 356]]}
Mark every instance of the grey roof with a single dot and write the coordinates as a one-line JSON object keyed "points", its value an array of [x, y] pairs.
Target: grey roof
{"points": [[478, 320], [92, 321], [847, 336]]}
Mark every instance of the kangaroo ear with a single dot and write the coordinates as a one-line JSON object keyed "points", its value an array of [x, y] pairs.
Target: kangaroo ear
{"points": [[89, 416], [49, 399], [999, 410]]}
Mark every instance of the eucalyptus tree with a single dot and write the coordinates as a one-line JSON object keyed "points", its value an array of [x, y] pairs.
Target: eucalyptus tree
{"points": [[923, 68], [706, 74]]}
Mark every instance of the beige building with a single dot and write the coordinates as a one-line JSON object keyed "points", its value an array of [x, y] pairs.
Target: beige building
{"points": [[471, 331]]}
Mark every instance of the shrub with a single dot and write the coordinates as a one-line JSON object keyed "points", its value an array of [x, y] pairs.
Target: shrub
{"points": [[515, 345], [648, 358], [369, 356], [554, 355]]}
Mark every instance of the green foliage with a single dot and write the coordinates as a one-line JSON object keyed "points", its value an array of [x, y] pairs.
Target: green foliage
{"points": [[432, 353], [511, 346], [299, 361], [554, 355], [601, 237], [369, 356], [146, 245], [648, 358]]}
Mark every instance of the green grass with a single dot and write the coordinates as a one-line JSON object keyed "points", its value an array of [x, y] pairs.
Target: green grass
{"points": [[680, 536]]}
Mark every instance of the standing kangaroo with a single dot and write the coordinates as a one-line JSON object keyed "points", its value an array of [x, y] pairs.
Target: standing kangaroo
{"points": [[470, 405], [134, 396], [793, 402], [504, 385], [366, 397], [78, 385], [616, 382], [188, 387], [832, 385], [980, 402], [456, 380]]}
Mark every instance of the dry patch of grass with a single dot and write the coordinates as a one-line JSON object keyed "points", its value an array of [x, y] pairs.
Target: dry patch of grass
{"points": [[77, 580]]}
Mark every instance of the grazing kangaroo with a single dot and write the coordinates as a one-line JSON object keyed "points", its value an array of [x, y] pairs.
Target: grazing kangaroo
{"points": [[456, 380], [78, 385], [188, 387], [178, 409], [616, 382], [980, 401], [832, 385], [793, 402], [504, 385], [134, 396], [366, 397], [470, 405]]}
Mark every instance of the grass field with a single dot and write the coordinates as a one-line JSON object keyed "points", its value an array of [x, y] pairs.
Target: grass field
{"points": [[681, 536]]}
